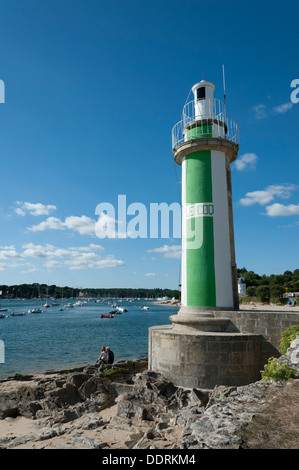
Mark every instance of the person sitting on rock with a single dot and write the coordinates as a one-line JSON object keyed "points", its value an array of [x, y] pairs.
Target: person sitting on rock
{"points": [[103, 357], [110, 356]]}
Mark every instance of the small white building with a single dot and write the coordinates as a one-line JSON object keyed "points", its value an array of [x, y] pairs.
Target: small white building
{"points": [[241, 286]]}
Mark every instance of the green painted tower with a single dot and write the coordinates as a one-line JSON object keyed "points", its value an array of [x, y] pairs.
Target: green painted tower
{"points": [[205, 142], [204, 345]]}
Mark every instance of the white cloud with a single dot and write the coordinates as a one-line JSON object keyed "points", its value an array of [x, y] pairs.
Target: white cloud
{"points": [[260, 111], [283, 108], [246, 161], [276, 210], [83, 224], [150, 274], [2, 266], [168, 251], [268, 194], [38, 251], [52, 264], [30, 270], [52, 223], [20, 211], [82, 257], [10, 254], [93, 262], [104, 227], [34, 208], [93, 246]]}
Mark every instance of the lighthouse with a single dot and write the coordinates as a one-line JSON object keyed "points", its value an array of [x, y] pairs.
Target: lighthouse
{"points": [[204, 143], [208, 342]]}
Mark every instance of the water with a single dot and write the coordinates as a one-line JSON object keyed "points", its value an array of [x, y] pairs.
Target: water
{"points": [[55, 340]]}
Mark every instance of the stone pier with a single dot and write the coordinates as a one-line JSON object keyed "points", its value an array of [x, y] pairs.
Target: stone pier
{"points": [[217, 347]]}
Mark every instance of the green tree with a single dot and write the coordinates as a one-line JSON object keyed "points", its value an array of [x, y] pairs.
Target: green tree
{"points": [[263, 293], [276, 293], [296, 274], [277, 279], [251, 291], [251, 278], [288, 276], [296, 286]]}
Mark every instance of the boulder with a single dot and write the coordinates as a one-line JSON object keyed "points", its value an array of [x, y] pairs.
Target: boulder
{"points": [[78, 379], [66, 395], [8, 407]]}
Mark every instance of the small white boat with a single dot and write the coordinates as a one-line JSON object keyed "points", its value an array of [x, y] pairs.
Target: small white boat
{"points": [[69, 306], [144, 308], [17, 314], [35, 310]]}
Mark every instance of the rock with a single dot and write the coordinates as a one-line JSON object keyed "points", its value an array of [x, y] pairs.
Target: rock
{"points": [[134, 438], [29, 409], [8, 407], [78, 379], [88, 387], [150, 408], [99, 391], [66, 395], [64, 416], [128, 409]]}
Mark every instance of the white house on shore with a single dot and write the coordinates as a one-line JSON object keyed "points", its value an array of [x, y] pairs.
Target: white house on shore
{"points": [[241, 286]]}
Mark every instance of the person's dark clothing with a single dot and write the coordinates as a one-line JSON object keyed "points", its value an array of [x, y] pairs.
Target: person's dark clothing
{"points": [[110, 357]]}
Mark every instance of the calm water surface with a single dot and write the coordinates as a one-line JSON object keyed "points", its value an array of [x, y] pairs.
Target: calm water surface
{"points": [[74, 337]]}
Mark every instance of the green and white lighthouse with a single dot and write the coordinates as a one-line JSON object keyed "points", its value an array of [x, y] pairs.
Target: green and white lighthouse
{"points": [[204, 345], [205, 142]]}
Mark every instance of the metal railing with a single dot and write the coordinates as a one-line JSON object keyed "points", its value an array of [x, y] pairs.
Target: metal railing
{"points": [[204, 118]]}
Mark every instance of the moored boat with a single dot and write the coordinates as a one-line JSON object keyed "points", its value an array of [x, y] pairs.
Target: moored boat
{"points": [[35, 310], [17, 314]]}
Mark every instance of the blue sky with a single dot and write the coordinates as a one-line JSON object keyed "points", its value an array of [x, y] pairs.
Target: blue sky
{"points": [[92, 91]]}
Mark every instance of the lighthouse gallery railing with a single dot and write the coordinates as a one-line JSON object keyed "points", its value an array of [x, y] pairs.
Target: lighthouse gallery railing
{"points": [[204, 118]]}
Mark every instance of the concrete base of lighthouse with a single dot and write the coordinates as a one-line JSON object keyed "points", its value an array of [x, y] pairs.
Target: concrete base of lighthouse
{"points": [[200, 350]]}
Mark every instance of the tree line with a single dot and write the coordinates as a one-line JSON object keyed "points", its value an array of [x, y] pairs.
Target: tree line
{"points": [[271, 287], [35, 290], [262, 286]]}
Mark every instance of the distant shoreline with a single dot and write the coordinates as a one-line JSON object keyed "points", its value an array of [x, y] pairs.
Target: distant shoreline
{"points": [[171, 303], [243, 306]]}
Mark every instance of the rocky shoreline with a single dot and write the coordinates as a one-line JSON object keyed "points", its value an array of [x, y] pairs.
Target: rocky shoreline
{"points": [[125, 406]]}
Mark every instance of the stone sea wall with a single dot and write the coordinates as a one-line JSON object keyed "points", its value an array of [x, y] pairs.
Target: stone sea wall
{"points": [[268, 323]]}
